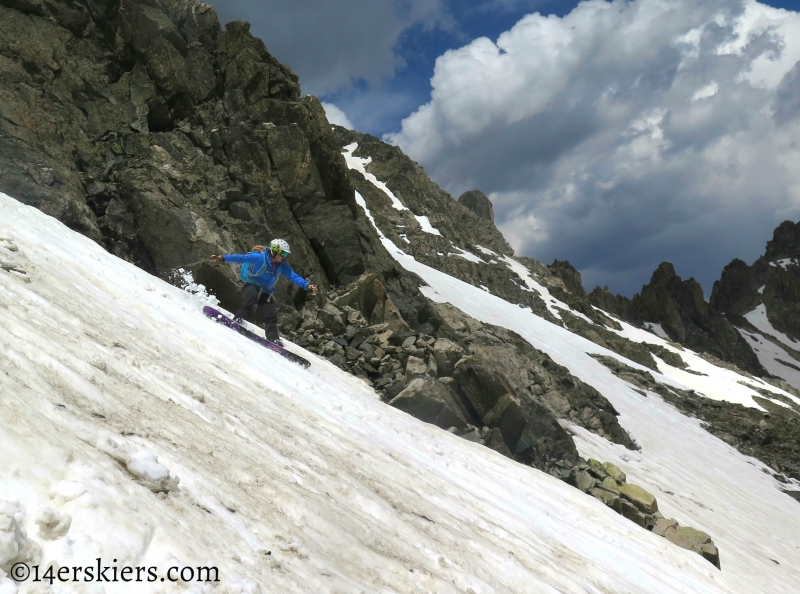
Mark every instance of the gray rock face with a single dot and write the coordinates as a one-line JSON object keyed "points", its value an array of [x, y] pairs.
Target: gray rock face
{"points": [[510, 394], [529, 430], [463, 244], [571, 277], [150, 129], [681, 310], [429, 400], [531, 374], [479, 203], [446, 354], [773, 279]]}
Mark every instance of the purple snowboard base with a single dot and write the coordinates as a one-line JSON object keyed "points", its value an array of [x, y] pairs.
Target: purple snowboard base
{"points": [[221, 318]]}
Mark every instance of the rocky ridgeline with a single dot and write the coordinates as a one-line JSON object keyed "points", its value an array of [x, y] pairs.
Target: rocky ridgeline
{"points": [[679, 307], [773, 279], [710, 327], [483, 383], [462, 239], [466, 228], [360, 329]]}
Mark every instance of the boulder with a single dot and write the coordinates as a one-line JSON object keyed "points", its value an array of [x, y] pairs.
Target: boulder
{"points": [[432, 369], [609, 484], [662, 525], [694, 540], [529, 430], [640, 498], [596, 469], [630, 511], [332, 317], [494, 441], [614, 472], [447, 353], [482, 385], [584, 480], [479, 203], [612, 500], [415, 367], [429, 400]]}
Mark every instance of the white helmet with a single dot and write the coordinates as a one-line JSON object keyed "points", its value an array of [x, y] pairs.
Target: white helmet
{"points": [[279, 245]]}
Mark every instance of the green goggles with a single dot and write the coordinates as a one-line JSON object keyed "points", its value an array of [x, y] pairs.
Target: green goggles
{"points": [[279, 253]]}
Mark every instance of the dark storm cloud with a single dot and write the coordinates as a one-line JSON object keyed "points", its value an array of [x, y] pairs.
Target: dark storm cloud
{"points": [[787, 97], [332, 44], [624, 134]]}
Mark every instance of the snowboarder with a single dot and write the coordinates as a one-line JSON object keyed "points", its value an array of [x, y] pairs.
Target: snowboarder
{"points": [[260, 271]]}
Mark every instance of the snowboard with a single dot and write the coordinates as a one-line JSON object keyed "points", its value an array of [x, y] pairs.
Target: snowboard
{"points": [[221, 318]]}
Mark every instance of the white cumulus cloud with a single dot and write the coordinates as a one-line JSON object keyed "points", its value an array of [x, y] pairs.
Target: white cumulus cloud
{"points": [[336, 115], [625, 133]]}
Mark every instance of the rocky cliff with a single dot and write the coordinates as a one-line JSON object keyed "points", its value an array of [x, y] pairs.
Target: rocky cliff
{"points": [[679, 307], [724, 327], [773, 280], [145, 126]]}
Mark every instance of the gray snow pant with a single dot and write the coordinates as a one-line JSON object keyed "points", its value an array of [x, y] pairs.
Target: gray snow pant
{"points": [[265, 304]]}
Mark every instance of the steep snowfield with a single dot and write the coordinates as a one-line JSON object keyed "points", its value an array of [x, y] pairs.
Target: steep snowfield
{"points": [[290, 480], [110, 379], [697, 478], [706, 378], [758, 317], [770, 347], [773, 357]]}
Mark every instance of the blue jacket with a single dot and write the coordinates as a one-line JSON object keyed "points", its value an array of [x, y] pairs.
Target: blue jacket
{"points": [[269, 278]]}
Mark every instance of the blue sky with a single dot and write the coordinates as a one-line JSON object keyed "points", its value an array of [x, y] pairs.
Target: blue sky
{"points": [[377, 104], [410, 86], [615, 135]]}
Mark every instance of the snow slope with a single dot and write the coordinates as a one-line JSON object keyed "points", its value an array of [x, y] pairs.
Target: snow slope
{"points": [[758, 318], [111, 379], [773, 357], [698, 479], [290, 480]]}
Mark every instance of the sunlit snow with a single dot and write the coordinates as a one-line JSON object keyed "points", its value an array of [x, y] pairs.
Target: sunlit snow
{"points": [[551, 302], [709, 380], [697, 478], [360, 165], [466, 255], [426, 226], [484, 250], [783, 263], [758, 318], [657, 330], [287, 480], [773, 358]]}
